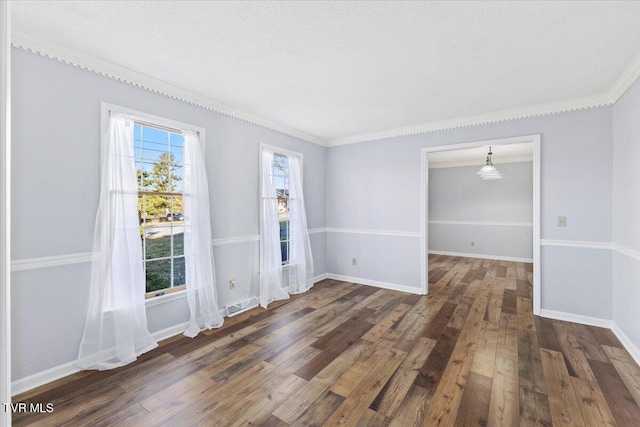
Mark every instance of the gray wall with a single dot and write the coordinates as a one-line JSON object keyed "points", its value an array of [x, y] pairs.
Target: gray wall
{"points": [[626, 214], [376, 186], [56, 134], [458, 194]]}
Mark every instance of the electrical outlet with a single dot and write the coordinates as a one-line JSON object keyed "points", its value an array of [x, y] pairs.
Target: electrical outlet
{"points": [[354, 261], [473, 243], [562, 221], [232, 283]]}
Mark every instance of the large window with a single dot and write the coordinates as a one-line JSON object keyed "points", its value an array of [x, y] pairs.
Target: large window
{"points": [[159, 165], [281, 181]]}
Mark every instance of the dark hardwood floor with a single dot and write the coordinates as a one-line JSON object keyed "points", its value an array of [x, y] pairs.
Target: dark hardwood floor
{"points": [[471, 353]]}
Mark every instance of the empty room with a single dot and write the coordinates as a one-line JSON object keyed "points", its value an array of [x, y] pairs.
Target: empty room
{"points": [[280, 213]]}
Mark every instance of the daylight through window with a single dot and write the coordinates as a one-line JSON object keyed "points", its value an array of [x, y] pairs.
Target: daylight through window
{"points": [[281, 181], [160, 169]]}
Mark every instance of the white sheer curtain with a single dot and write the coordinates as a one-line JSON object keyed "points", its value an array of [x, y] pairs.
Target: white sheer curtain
{"points": [[270, 253], [198, 249], [300, 268], [115, 332]]}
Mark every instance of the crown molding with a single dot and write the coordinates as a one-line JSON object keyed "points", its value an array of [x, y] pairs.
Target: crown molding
{"points": [[134, 78], [624, 82], [481, 119], [140, 80], [619, 88]]}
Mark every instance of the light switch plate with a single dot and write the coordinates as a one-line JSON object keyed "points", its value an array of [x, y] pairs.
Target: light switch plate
{"points": [[562, 221]]}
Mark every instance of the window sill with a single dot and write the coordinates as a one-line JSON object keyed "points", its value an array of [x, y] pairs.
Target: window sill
{"points": [[162, 299]]}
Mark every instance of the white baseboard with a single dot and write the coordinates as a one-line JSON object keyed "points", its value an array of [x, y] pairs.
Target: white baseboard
{"points": [[594, 321], [626, 342], [49, 375], [482, 256], [377, 284], [36, 380], [320, 278], [576, 318]]}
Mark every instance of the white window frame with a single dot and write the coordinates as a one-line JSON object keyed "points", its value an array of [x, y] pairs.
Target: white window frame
{"points": [[281, 151], [106, 109]]}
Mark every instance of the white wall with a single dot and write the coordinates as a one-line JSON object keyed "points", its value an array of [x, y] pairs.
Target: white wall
{"points": [[457, 194], [375, 187], [56, 121], [626, 216]]}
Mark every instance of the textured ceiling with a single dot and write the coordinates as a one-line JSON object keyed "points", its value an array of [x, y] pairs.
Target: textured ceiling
{"points": [[337, 69]]}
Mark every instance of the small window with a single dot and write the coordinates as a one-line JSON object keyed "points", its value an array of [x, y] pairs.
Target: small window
{"points": [[160, 169], [281, 181]]}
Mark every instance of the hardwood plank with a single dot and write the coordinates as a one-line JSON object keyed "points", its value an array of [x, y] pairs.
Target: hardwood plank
{"points": [[606, 337], [372, 418], [340, 343], [508, 337], [563, 402], [435, 327], [594, 407], [546, 334], [530, 371], [413, 408], [509, 304], [431, 372], [461, 312], [383, 326], [350, 378], [274, 421], [354, 406], [534, 409], [398, 386], [319, 412], [256, 407], [572, 351], [624, 408], [446, 399], [494, 307], [503, 406], [485, 356], [228, 393], [474, 407], [176, 404], [160, 398], [523, 290], [295, 406], [627, 369], [592, 348]]}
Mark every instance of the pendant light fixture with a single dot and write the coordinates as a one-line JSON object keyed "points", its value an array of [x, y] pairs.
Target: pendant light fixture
{"points": [[488, 171]]}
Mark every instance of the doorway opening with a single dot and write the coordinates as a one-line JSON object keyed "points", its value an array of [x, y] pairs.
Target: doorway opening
{"points": [[518, 239]]}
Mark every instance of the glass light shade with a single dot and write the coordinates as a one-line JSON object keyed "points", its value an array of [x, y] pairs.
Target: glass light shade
{"points": [[498, 176], [487, 169], [489, 175]]}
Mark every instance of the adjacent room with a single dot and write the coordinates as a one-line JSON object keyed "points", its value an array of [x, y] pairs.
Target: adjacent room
{"points": [[319, 213]]}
